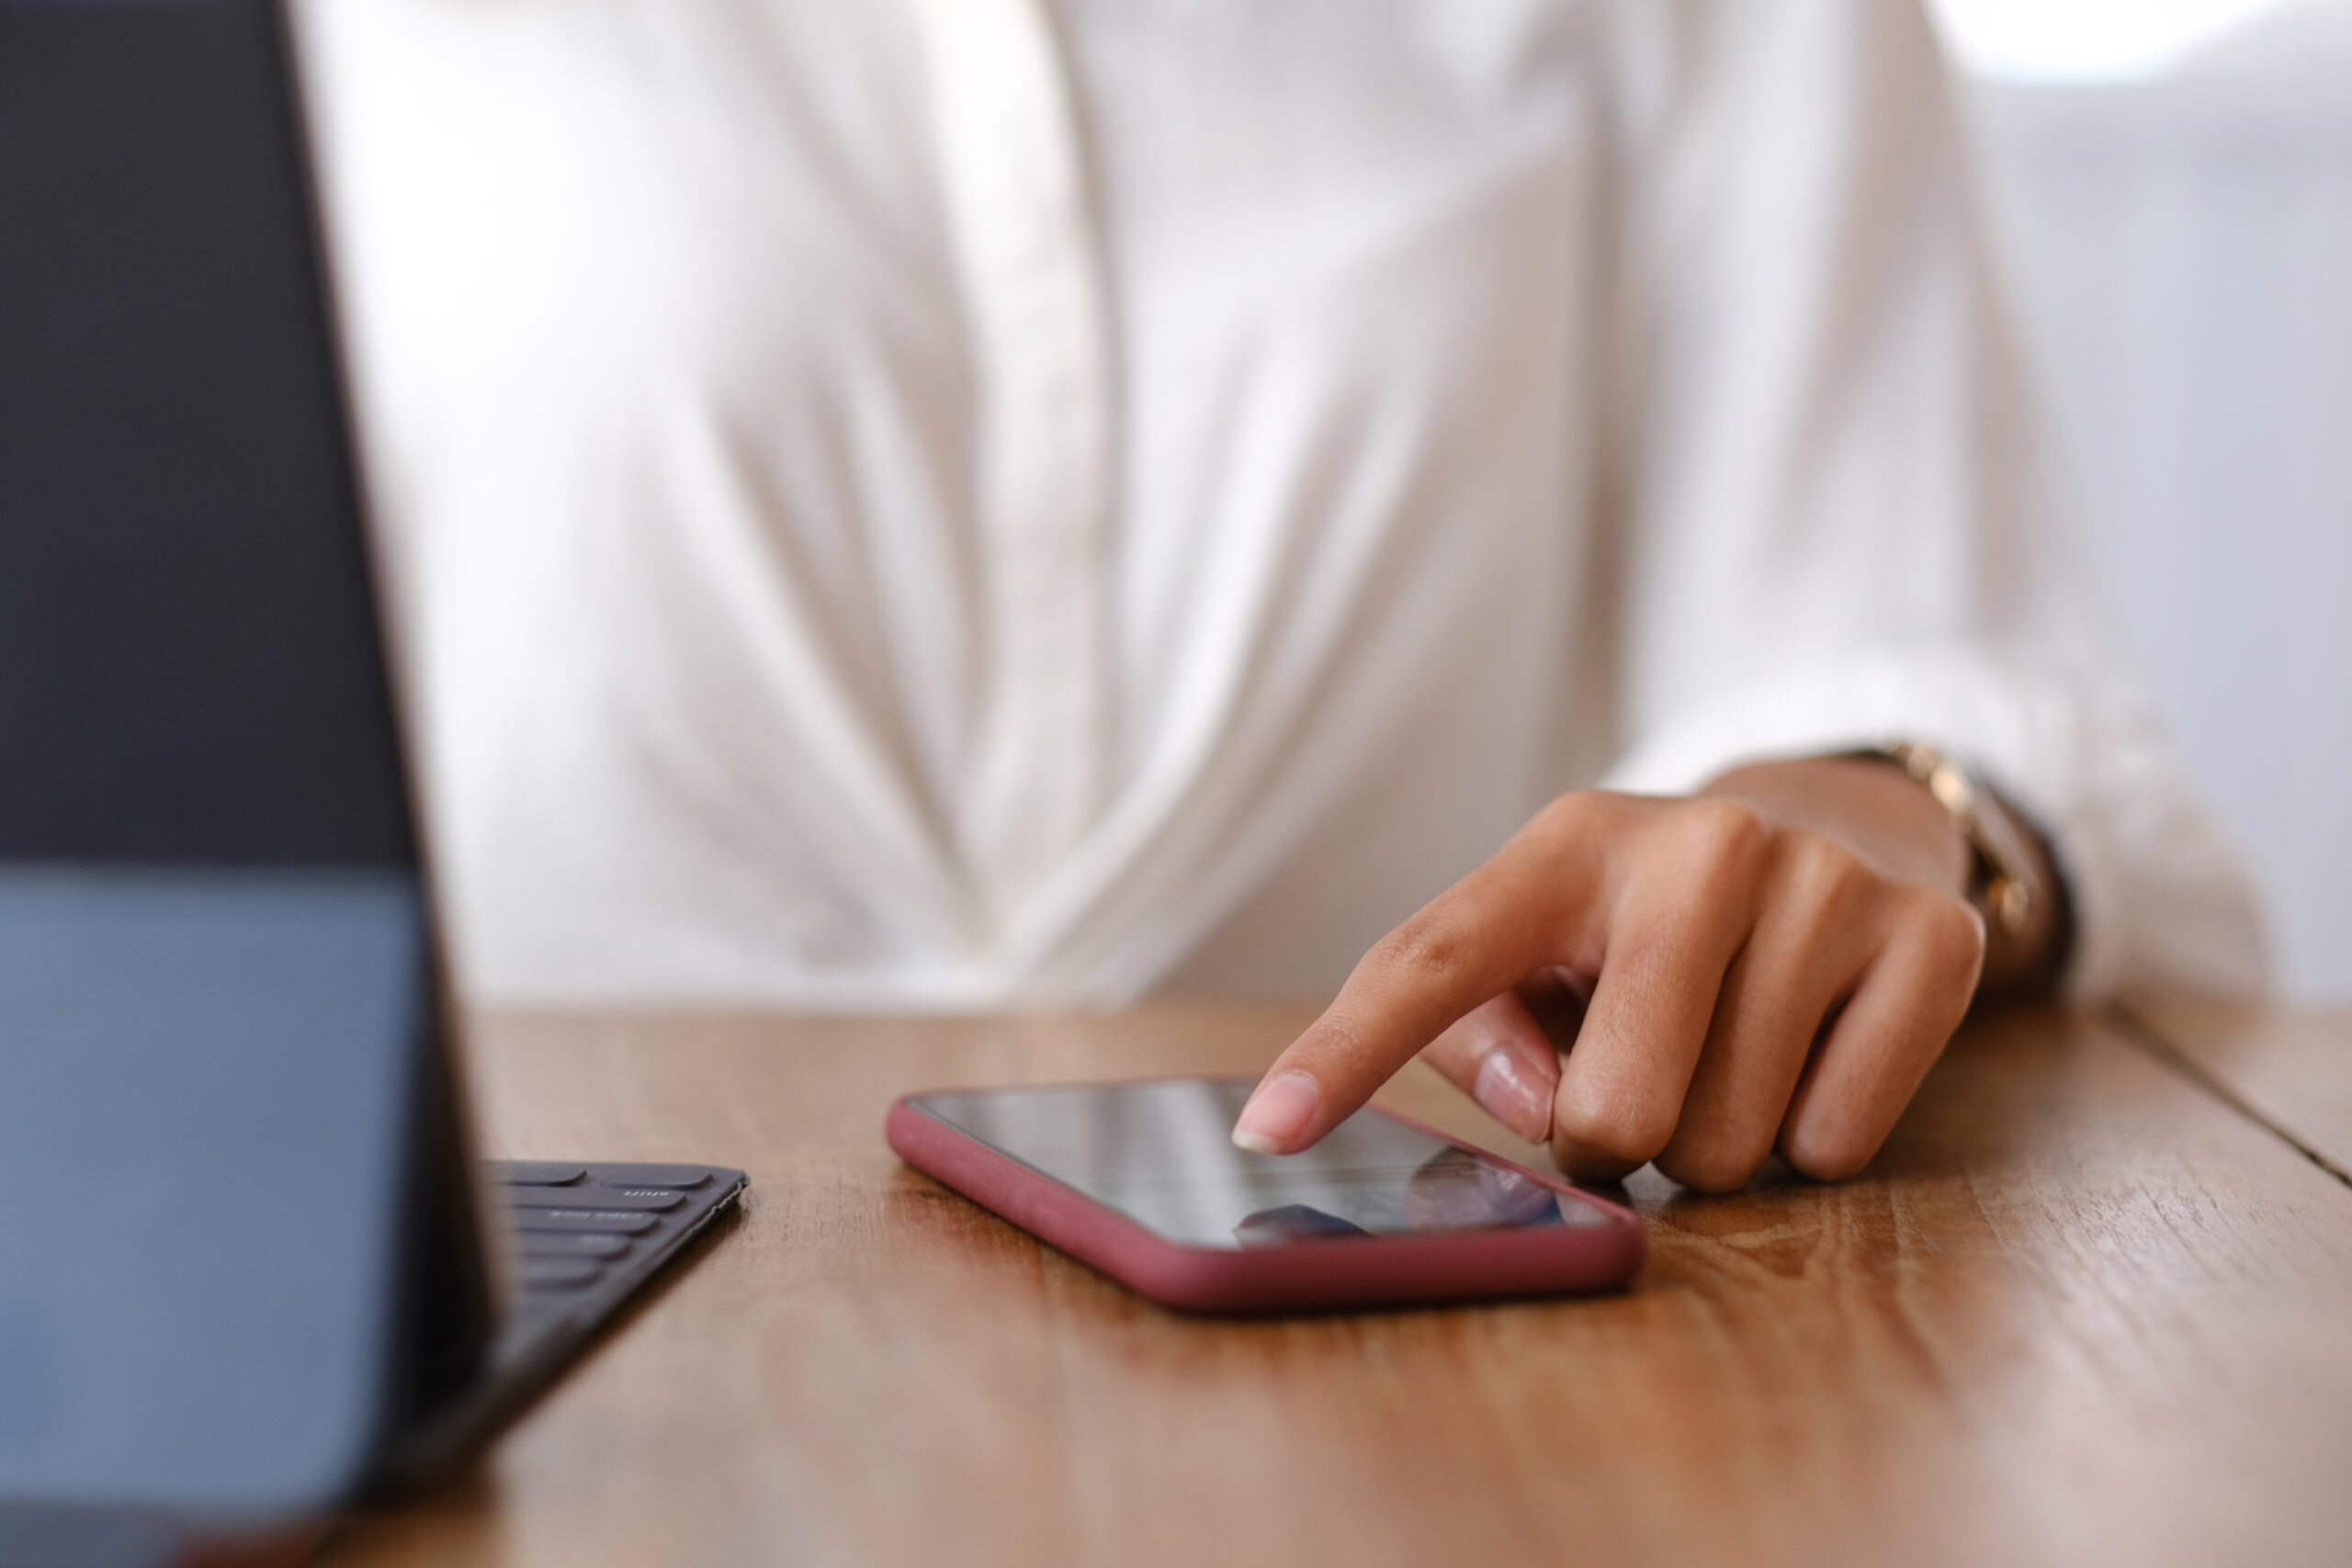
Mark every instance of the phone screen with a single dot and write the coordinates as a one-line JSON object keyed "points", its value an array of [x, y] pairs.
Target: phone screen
{"points": [[1161, 1153]]}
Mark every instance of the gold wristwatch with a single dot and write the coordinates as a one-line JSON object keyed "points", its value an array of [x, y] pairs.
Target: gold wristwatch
{"points": [[2005, 883]]}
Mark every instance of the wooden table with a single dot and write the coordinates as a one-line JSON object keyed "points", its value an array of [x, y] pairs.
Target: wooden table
{"points": [[2082, 1310], [2292, 1071]]}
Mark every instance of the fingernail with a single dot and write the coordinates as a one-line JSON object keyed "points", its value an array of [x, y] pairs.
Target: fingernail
{"points": [[1278, 1113], [1511, 1096]]}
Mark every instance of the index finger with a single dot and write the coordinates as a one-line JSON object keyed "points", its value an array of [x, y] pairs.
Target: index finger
{"points": [[1474, 941]]}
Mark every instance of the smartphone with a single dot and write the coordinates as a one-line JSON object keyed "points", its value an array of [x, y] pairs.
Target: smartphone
{"points": [[1143, 1181]]}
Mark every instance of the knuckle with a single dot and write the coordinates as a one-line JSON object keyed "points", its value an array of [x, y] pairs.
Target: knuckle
{"points": [[1826, 1153], [1572, 816], [1712, 1165], [1826, 881], [1729, 828], [1730, 841], [1620, 1127], [1429, 949], [1952, 938]]}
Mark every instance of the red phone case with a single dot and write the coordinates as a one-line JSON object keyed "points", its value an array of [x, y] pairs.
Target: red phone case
{"points": [[1343, 1272]]}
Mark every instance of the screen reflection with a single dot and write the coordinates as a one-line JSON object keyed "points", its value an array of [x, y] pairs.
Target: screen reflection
{"points": [[1161, 1153]]}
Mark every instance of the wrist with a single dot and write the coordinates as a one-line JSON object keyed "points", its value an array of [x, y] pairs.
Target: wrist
{"points": [[2013, 878]]}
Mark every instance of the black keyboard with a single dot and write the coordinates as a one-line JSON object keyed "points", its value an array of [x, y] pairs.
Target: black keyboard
{"points": [[585, 1235], [584, 1239]]}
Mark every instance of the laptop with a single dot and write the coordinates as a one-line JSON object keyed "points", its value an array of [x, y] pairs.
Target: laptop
{"points": [[250, 1267]]}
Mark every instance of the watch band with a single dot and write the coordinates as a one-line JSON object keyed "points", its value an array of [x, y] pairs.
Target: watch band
{"points": [[2004, 883]]}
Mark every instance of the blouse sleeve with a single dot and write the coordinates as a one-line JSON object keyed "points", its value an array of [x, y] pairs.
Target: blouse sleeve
{"points": [[1832, 521]]}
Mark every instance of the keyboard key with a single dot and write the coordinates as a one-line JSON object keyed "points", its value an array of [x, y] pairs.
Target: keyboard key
{"points": [[682, 1178], [560, 1273], [602, 1222], [598, 1245], [650, 1200], [536, 1172]]}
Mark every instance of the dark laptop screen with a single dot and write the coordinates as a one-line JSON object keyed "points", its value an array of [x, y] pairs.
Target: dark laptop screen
{"points": [[190, 668], [227, 1134]]}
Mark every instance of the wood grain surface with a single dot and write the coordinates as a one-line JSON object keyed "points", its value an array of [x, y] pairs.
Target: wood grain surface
{"points": [[2291, 1069], [2079, 1312]]}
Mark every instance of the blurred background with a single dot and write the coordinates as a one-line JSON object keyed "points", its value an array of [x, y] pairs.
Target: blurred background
{"points": [[2173, 183]]}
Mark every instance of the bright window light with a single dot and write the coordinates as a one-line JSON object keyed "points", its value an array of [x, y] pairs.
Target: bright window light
{"points": [[2083, 40]]}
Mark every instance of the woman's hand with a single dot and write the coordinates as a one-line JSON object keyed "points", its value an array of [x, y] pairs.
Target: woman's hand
{"points": [[1773, 963]]}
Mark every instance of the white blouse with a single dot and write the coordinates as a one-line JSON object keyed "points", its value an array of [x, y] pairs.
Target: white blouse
{"points": [[945, 503]]}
